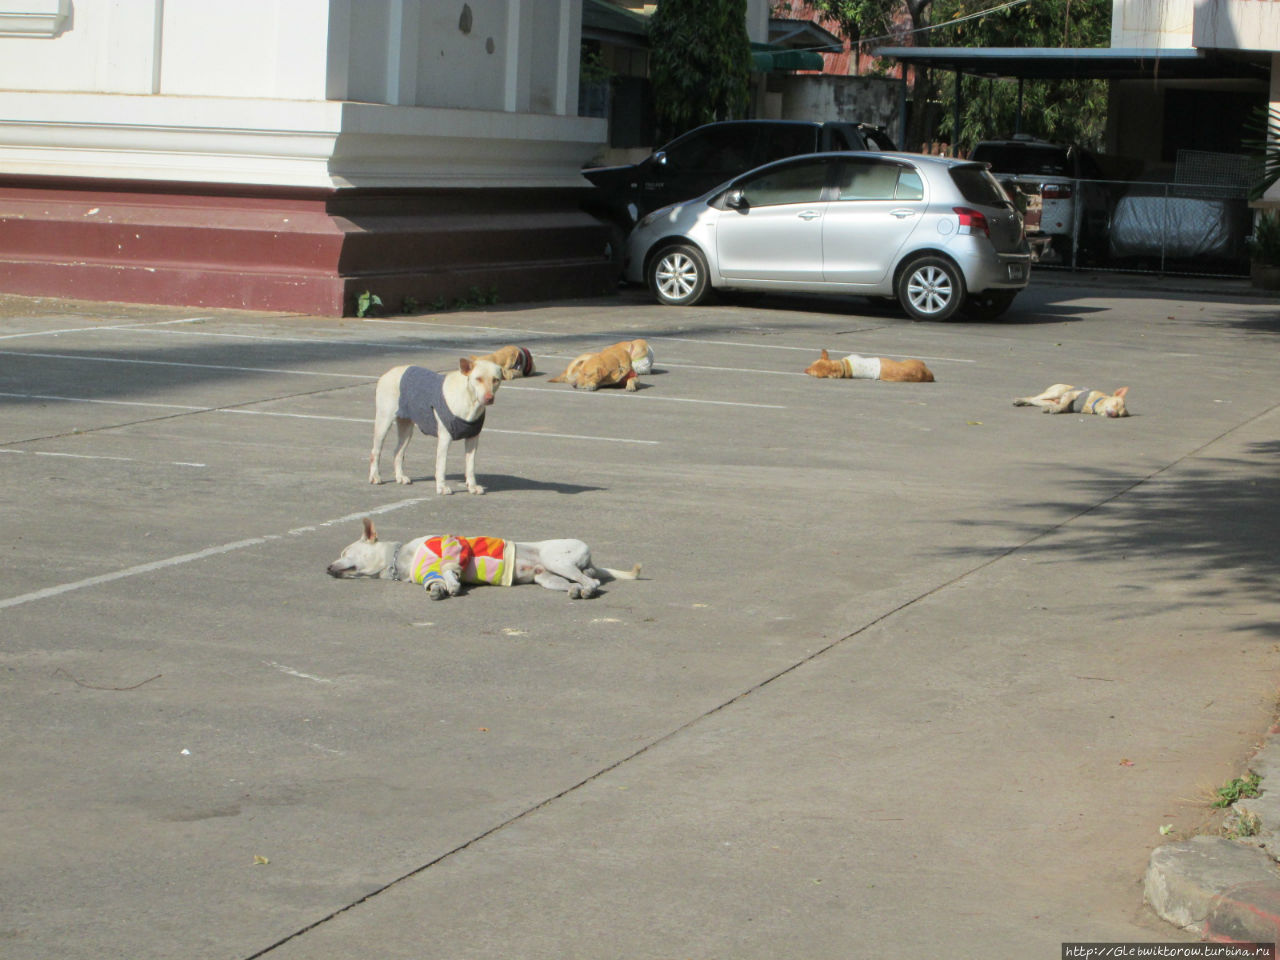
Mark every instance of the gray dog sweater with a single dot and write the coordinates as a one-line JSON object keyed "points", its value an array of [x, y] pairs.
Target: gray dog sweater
{"points": [[422, 400], [1077, 405]]}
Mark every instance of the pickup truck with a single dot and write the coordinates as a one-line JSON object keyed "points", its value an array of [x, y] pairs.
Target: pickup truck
{"points": [[710, 154]]}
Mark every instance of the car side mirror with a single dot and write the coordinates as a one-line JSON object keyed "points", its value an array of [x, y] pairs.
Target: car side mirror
{"points": [[734, 200], [660, 158]]}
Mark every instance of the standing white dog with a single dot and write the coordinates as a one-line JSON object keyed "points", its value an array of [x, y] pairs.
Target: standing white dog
{"points": [[446, 406]]}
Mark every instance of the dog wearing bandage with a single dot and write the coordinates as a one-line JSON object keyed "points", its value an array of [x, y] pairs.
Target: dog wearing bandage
{"points": [[857, 367], [1064, 398]]}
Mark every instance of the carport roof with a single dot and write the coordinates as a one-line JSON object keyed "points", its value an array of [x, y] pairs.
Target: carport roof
{"points": [[1083, 63]]}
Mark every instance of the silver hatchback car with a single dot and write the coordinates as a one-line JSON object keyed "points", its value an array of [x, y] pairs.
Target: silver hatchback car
{"points": [[937, 234]]}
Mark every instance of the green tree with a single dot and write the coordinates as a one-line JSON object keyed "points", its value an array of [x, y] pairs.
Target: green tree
{"points": [[1056, 109], [700, 62], [1067, 110]]}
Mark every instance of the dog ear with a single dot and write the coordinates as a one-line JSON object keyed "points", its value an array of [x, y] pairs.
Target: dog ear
{"points": [[1121, 392], [464, 365], [370, 534], [825, 355]]}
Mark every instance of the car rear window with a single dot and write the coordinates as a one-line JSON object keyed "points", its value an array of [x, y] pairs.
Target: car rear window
{"points": [[1021, 158], [978, 186]]}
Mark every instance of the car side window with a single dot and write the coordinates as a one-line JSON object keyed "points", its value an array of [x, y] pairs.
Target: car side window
{"points": [[778, 143], [793, 183], [722, 148], [868, 180], [910, 185]]}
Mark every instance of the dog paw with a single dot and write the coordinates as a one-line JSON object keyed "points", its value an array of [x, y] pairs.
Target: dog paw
{"points": [[436, 591], [476, 489], [374, 478], [443, 490], [403, 478]]}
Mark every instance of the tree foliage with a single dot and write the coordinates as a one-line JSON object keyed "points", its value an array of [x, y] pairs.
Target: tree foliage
{"points": [[700, 62], [1069, 110]]}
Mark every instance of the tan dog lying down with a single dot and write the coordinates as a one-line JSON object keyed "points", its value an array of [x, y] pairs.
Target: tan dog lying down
{"points": [[611, 367], [857, 367], [1064, 398], [514, 361], [641, 356]]}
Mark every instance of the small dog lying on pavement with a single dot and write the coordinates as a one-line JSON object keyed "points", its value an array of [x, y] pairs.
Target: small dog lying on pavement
{"points": [[1064, 398], [641, 355], [613, 366], [857, 367], [514, 361], [446, 406], [442, 564]]}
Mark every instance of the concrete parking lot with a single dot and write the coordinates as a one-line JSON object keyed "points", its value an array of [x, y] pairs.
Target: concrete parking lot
{"points": [[910, 672]]}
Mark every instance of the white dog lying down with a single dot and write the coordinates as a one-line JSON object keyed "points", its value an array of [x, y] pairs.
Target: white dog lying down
{"points": [[442, 564], [1064, 398]]}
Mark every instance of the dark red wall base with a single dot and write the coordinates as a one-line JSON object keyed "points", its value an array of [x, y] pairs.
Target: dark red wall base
{"points": [[296, 250]]}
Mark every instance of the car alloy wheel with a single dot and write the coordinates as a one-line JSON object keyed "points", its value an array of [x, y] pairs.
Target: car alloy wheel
{"points": [[930, 288], [678, 276]]}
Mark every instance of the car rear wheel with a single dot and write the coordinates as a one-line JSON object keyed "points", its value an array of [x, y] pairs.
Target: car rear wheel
{"points": [[931, 288], [678, 276], [989, 305]]}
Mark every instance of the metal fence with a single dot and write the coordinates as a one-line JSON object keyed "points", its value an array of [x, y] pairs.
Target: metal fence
{"points": [[1196, 223], [1145, 227]]}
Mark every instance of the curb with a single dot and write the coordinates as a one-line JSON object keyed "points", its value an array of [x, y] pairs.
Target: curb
{"points": [[1226, 891]]}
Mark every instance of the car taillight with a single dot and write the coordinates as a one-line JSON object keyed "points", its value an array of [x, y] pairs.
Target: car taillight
{"points": [[1055, 191], [972, 221]]}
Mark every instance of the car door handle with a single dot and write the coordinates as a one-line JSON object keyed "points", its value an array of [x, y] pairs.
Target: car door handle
{"points": [[902, 213], [809, 215]]}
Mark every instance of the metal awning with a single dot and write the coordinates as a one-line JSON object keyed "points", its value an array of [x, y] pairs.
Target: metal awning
{"points": [[604, 21], [1085, 63], [766, 57]]}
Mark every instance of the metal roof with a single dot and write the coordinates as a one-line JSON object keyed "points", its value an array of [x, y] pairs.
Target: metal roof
{"points": [[1084, 63]]}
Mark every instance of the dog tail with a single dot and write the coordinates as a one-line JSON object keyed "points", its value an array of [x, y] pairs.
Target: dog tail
{"points": [[559, 379], [632, 574]]}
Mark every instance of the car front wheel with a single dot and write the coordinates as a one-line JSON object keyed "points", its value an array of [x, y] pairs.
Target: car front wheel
{"points": [[678, 276], [930, 288]]}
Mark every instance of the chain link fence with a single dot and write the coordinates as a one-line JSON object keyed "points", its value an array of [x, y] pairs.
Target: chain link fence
{"points": [[1196, 223]]}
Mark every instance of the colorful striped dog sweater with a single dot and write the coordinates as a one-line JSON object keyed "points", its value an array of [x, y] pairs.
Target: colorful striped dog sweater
{"points": [[477, 560]]}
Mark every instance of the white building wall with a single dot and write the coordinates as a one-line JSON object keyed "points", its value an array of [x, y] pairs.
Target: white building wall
{"points": [[217, 75], [1151, 23]]}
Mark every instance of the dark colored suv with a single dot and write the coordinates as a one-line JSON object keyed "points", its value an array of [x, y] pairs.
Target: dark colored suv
{"points": [[708, 155], [1059, 184]]}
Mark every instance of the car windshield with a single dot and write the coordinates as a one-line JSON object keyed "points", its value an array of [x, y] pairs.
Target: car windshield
{"points": [[1021, 158], [978, 186]]}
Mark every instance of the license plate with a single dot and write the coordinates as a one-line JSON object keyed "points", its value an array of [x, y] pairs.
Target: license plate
{"points": [[1017, 271]]}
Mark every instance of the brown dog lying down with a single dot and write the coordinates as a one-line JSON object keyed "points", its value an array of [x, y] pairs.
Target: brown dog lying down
{"points": [[641, 355], [514, 361], [857, 367], [1064, 398], [611, 367]]}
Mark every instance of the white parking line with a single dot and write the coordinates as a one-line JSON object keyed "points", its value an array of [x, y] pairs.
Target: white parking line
{"points": [[463, 342], [239, 411], [780, 346], [645, 396], [90, 456], [95, 329], [178, 363], [185, 558]]}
